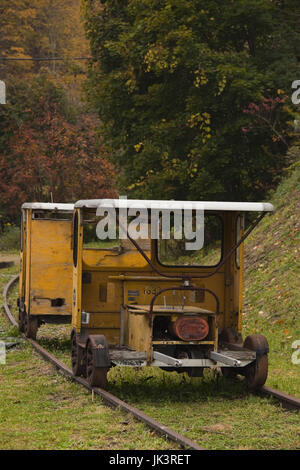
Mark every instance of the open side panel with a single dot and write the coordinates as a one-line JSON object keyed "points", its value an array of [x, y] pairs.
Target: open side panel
{"points": [[102, 294], [239, 263]]}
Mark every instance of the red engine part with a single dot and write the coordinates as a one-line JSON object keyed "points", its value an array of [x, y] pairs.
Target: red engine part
{"points": [[190, 328]]}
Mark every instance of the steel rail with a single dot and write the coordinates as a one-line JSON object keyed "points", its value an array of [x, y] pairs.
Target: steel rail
{"points": [[287, 401], [107, 397], [7, 311]]}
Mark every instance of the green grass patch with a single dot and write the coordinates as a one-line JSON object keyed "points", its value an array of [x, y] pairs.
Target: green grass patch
{"points": [[10, 238], [272, 294]]}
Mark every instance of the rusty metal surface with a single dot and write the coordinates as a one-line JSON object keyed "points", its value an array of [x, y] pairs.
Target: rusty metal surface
{"points": [[189, 328], [184, 288], [257, 374]]}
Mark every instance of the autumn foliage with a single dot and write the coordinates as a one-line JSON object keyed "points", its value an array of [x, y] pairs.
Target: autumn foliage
{"points": [[49, 145], [51, 156]]}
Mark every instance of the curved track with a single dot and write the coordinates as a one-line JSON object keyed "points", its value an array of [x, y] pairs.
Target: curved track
{"points": [[106, 396]]}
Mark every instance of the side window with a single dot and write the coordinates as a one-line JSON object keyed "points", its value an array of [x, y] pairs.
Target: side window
{"points": [[75, 239], [172, 252], [91, 240]]}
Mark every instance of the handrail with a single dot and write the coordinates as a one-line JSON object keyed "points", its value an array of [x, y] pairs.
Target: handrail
{"points": [[183, 288], [199, 276]]}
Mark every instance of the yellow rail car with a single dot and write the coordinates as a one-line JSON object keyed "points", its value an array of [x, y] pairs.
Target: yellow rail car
{"points": [[45, 288], [152, 302]]}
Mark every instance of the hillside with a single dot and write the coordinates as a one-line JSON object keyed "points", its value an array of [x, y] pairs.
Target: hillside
{"points": [[272, 294]]}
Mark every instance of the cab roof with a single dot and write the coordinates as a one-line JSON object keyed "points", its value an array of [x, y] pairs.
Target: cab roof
{"points": [[48, 206], [173, 205]]}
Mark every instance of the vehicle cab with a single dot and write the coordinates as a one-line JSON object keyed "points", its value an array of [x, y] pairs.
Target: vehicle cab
{"points": [[146, 297]]}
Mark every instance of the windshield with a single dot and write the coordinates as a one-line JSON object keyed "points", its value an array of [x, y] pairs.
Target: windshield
{"points": [[174, 252]]}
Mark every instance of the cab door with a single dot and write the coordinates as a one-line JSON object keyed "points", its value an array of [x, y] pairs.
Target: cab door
{"points": [[77, 240]]}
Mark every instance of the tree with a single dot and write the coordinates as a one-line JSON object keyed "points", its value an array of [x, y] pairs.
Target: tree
{"points": [[39, 29], [171, 81], [47, 151]]}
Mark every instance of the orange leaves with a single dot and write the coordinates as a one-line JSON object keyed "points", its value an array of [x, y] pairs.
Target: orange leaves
{"points": [[48, 154]]}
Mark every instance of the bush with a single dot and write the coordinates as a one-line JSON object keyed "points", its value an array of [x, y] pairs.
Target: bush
{"points": [[10, 238]]}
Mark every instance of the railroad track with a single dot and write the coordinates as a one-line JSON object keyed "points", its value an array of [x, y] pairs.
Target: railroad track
{"points": [[107, 397], [285, 400]]}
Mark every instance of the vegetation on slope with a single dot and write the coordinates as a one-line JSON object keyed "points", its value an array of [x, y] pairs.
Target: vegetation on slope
{"points": [[272, 294]]}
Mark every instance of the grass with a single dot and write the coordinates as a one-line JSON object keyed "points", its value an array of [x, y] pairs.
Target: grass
{"points": [[40, 409], [217, 414], [272, 295], [43, 410], [10, 238]]}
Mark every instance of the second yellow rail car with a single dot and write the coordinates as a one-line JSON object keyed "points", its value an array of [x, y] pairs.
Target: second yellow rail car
{"points": [[45, 288]]}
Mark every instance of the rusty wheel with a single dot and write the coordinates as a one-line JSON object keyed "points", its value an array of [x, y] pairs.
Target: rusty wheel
{"points": [[257, 372], [30, 326], [193, 353], [230, 373], [231, 336], [21, 321], [97, 376], [77, 357]]}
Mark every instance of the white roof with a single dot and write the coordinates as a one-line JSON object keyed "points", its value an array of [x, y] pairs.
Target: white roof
{"points": [[48, 206], [173, 205]]}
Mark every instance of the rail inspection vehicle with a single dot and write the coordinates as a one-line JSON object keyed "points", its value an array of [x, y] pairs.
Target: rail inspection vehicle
{"points": [[152, 303]]}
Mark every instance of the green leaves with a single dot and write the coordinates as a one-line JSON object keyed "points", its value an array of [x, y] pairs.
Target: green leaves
{"points": [[171, 80]]}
